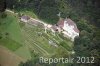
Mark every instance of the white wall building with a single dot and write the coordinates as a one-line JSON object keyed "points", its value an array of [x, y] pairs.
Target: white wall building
{"points": [[69, 28]]}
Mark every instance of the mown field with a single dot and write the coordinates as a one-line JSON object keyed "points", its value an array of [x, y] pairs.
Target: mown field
{"points": [[10, 32], [11, 40], [12, 37]]}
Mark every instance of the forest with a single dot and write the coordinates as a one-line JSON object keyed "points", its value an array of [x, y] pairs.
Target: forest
{"points": [[85, 13]]}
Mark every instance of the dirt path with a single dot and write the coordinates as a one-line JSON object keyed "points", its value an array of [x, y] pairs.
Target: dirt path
{"points": [[37, 20], [8, 58]]}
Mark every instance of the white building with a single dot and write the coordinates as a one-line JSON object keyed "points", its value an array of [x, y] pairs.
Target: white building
{"points": [[67, 27]]}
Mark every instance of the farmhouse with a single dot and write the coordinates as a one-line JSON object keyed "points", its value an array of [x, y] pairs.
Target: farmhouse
{"points": [[67, 27], [25, 18]]}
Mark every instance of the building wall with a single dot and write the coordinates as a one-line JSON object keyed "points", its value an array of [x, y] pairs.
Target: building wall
{"points": [[68, 30]]}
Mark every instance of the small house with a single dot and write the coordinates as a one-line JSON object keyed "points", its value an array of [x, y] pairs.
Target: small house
{"points": [[25, 18]]}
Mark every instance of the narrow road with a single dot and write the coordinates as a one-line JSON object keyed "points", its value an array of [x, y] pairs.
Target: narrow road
{"points": [[45, 24]]}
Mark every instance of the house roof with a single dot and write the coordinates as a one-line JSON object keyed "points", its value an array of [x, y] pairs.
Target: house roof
{"points": [[70, 22], [54, 27], [25, 17], [60, 22]]}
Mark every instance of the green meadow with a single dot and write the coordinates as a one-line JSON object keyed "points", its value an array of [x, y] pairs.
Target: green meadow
{"points": [[10, 32]]}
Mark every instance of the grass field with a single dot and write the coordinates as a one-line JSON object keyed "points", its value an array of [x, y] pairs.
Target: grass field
{"points": [[10, 32], [10, 44], [23, 52], [14, 39]]}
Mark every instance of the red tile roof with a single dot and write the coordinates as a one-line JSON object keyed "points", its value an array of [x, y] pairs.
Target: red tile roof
{"points": [[54, 27], [25, 17], [69, 22], [60, 22]]}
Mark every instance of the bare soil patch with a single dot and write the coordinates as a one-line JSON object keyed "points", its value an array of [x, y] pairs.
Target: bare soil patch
{"points": [[8, 58]]}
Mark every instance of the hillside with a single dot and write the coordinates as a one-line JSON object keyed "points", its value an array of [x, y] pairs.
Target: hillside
{"points": [[22, 37]]}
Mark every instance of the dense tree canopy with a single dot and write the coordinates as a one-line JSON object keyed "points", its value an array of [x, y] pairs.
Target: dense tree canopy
{"points": [[2, 5], [48, 9]]}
